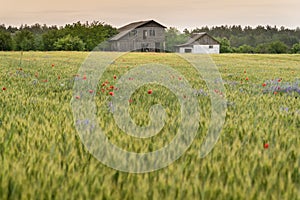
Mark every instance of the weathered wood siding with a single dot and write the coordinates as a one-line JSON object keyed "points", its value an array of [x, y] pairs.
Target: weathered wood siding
{"points": [[132, 42], [206, 40]]}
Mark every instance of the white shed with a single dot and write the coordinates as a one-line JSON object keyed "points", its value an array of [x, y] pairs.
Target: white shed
{"points": [[200, 43]]}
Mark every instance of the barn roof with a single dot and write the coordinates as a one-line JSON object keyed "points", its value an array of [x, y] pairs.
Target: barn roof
{"points": [[195, 37], [120, 35], [129, 27]]}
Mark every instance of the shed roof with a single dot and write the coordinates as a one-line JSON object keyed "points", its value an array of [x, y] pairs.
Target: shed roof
{"points": [[195, 37]]}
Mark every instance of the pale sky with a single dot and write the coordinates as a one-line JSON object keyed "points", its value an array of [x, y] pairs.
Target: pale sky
{"points": [[171, 13]]}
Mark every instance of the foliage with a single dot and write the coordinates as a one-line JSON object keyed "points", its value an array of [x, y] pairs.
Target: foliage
{"points": [[38, 43], [91, 34], [5, 41], [49, 38], [245, 49], [69, 43], [225, 46], [24, 40], [276, 47], [262, 48], [296, 48], [173, 38], [45, 36]]}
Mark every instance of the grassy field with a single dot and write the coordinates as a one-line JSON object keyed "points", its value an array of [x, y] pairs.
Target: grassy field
{"points": [[256, 157]]}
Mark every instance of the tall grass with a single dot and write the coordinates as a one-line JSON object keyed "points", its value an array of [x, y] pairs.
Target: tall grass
{"points": [[42, 156]]}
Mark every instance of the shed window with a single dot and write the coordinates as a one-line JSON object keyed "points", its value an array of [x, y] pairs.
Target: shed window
{"points": [[187, 50], [211, 46]]}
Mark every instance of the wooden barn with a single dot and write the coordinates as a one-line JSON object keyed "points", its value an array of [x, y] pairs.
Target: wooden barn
{"points": [[139, 36], [200, 43]]}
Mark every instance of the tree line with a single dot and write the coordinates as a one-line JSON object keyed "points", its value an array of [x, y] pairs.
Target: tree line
{"points": [[71, 37], [85, 36]]}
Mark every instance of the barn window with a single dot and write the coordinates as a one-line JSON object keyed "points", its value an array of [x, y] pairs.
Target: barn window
{"points": [[145, 34], [152, 32], [132, 33], [211, 46], [187, 50]]}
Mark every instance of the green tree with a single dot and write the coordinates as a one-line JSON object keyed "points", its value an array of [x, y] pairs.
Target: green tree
{"points": [[296, 48], [5, 41], [173, 38], [245, 49], [225, 46], [278, 47], [50, 37], [24, 40], [262, 48], [92, 34], [38, 42], [69, 43]]}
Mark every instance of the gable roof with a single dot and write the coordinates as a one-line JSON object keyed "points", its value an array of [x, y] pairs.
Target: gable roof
{"points": [[195, 37], [129, 27], [135, 25]]}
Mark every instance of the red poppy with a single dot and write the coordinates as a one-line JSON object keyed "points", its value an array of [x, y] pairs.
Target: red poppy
{"points": [[149, 91], [264, 84], [58, 77], [130, 100], [275, 92], [247, 78], [77, 97], [111, 93], [266, 145], [279, 80], [52, 65], [111, 87], [84, 77], [115, 77], [4, 88], [91, 91]]}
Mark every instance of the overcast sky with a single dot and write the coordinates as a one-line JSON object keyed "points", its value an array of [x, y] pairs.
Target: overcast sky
{"points": [[176, 13]]}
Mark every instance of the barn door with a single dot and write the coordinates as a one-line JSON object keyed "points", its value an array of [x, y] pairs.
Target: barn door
{"points": [[157, 46]]}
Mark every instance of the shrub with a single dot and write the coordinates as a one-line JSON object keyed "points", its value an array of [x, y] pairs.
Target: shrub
{"points": [[296, 48], [5, 41], [69, 43]]}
